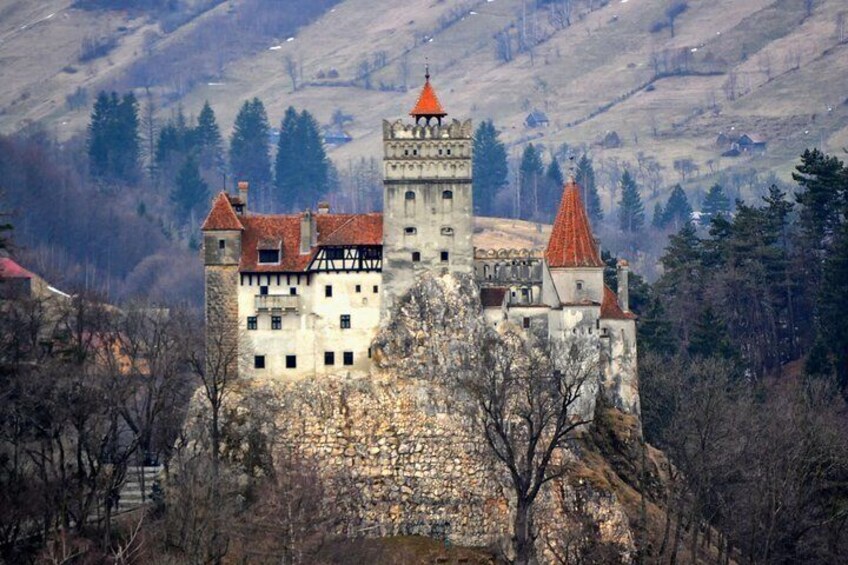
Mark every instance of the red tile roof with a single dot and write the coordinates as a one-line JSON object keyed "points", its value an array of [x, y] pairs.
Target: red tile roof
{"points": [[222, 216], [11, 270], [571, 243], [492, 297], [428, 103], [610, 309], [333, 230]]}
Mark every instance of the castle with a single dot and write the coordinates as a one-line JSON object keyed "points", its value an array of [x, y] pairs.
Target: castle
{"points": [[300, 295]]}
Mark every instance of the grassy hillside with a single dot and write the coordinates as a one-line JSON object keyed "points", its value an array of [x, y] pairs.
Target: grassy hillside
{"points": [[760, 66]]}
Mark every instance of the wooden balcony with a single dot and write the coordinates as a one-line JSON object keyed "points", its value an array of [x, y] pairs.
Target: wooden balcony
{"points": [[277, 303]]}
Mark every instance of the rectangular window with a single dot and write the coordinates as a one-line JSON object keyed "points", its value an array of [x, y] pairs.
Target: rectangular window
{"points": [[410, 231], [445, 255], [376, 289], [348, 357], [344, 321], [328, 290], [329, 358], [276, 322], [269, 255], [334, 253], [291, 361], [416, 256], [251, 322], [263, 290], [221, 244], [369, 353], [526, 323], [293, 291], [359, 288], [258, 361]]}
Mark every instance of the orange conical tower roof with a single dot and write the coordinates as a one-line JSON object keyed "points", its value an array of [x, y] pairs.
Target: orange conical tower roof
{"points": [[428, 105], [222, 217], [571, 243]]}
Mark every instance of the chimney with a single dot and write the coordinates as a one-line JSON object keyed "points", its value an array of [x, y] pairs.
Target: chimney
{"points": [[242, 189], [307, 232], [324, 207], [623, 270]]}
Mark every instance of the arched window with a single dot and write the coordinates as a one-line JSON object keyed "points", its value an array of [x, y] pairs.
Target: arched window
{"points": [[447, 194], [410, 195]]}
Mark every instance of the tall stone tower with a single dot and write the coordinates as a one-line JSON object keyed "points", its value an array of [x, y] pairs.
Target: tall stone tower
{"points": [[222, 232], [427, 199]]}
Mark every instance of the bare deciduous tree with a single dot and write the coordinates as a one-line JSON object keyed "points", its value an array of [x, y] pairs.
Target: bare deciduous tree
{"points": [[527, 396]]}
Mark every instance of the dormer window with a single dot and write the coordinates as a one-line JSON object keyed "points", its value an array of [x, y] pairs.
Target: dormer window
{"points": [[269, 255]]}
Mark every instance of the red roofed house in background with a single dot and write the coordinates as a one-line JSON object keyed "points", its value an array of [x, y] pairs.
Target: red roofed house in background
{"points": [[303, 294]]}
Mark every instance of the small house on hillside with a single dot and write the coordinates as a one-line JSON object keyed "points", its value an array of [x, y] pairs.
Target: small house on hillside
{"points": [[750, 143], [336, 136], [537, 119]]}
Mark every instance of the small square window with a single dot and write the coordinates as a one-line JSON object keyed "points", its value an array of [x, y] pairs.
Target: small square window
{"points": [[292, 291], [579, 285], [410, 230], [376, 289], [329, 358], [409, 195], [344, 321], [258, 361], [263, 290], [348, 357], [359, 288], [291, 361], [269, 255], [328, 291], [222, 244], [276, 322], [526, 323], [251, 322], [447, 194], [416, 256], [445, 256]]}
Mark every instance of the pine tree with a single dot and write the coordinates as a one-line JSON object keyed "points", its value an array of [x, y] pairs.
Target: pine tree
{"points": [[302, 168], [677, 210], [585, 177], [833, 303], [191, 192], [716, 203], [113, 140], [99, 133], [710, 338], [655, 332], [286, 174], [631, 212], [127, 142], [249, 155], [208, 138], [550, 197], [489, 168], [313, 160], [658, 219], [532, 183]]}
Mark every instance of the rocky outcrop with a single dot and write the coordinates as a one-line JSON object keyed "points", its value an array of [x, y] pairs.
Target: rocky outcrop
{"points": [[400, 452]]}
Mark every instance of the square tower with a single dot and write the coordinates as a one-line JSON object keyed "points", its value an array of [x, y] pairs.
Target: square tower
{"points": [[427, 198]]}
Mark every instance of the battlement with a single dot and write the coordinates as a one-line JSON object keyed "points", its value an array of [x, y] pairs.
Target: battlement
{"points": [[454, 130]]}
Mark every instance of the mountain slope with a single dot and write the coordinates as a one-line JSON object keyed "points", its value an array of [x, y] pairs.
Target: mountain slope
{"points": [[760, 66]]}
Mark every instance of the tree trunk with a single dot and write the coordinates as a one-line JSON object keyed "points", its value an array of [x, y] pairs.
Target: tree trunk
{"points": [[522, 540]]}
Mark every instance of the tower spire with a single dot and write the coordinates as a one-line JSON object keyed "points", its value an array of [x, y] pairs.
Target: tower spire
{"points": [[428, 106]]}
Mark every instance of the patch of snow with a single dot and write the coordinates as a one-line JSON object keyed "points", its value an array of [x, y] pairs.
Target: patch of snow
{"points": [[275, 47], [214, 84], [59, 292], [290, 39]]}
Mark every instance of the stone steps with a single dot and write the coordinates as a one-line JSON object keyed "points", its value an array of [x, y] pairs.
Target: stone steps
{"points": [[131, 491]]}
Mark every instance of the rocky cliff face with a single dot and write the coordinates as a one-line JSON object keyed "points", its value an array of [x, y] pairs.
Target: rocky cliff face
{"points": [[401, 453]]}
